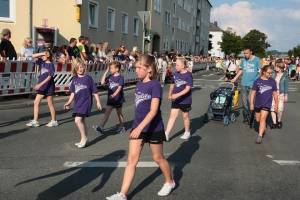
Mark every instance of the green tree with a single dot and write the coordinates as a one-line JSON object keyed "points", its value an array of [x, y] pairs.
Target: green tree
{"points": [[294, 51], [231, 42], [257, 41]]}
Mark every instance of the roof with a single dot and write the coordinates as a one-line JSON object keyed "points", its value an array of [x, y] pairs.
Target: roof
{"points": [[214, 27]]}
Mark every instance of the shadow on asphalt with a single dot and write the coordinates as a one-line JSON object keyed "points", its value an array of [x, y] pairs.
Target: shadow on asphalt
{"points": [[79, 179], [181, 157], [111, 131]]}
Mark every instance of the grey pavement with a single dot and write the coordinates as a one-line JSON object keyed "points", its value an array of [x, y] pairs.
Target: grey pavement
{"points": [[217, 162]]}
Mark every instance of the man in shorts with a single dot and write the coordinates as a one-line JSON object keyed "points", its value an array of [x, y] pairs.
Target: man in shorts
{"points": [[232, 67]]}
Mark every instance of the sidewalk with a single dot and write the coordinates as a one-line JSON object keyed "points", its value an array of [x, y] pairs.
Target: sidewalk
{"points": [[21, 102]]}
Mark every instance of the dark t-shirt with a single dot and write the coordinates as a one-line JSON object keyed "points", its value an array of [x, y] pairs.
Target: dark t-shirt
{"points": [[9, 49], [73, 51]]}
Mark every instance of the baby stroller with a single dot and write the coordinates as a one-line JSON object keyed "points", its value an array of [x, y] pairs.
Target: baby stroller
{"points": [[222, 100]]}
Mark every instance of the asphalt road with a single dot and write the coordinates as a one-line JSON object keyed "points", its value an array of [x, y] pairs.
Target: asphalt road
{"points": [[217, 162]]}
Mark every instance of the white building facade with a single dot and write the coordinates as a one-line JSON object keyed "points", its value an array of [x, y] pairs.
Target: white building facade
{"points": [[217, 34]]}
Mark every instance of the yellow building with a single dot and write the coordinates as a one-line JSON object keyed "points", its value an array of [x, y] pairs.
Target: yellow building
{"points": [[115, 21]]}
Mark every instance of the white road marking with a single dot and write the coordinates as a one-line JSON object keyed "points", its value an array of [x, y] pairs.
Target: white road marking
{"points": [[208, 75], [222, 78], [287, 162], [113, 164], [270, 156]]}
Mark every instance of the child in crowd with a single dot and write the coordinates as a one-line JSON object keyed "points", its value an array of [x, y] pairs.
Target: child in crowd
{"points": [[147, 127], [115, 95], [45, 87], [282, 83], [181, 96], [262, 90], [82, 88]]}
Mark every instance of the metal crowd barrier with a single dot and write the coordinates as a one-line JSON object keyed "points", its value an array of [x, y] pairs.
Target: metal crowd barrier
{"points": [[20, 76]]}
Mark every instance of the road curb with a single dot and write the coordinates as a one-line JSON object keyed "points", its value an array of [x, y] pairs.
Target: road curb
{"points": [[58, 99]]}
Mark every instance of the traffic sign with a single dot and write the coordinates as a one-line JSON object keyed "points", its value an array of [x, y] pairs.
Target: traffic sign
{"points": [[144, 15]]}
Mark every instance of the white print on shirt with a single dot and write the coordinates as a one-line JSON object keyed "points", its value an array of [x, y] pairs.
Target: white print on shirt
{"points": [[79, 87], [263, 88], [44, 70], [179, 82], [249, 67], [112, 84], [140, 97]]}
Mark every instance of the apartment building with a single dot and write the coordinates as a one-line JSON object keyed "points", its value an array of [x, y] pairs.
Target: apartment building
{"points": [[114, 21], [181, 25]]}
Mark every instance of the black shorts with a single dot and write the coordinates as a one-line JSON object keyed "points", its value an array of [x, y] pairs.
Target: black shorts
{"points": [[261, 108], [115, 105], [182, 107], [152, 137], [79, 115], [41, 92]]}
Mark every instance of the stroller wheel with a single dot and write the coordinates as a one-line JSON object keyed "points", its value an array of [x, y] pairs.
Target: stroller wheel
{"points": [[226, 121], [205, 118], [233, 117]]}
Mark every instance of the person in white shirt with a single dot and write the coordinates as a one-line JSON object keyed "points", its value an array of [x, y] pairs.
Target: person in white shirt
{"points": [[231, 67], [27, 49]]}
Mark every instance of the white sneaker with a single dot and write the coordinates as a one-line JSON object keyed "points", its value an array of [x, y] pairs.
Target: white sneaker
{"points": [[186, 135], [52, 123], [167, 137], [33, 123], [121, 129], [117, 196], [166, 189]]}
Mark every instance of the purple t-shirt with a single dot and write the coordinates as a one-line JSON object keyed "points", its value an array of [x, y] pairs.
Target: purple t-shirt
{"points": [[264, 92], [83, 88], [47, 69], [180, 82], [144, 93], [113, 83]]}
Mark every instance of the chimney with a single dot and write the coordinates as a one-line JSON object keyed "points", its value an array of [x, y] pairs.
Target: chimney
{"points": [[216, 23]]}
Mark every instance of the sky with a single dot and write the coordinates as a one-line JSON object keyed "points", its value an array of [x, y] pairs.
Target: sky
{"points": [[278, 19]]}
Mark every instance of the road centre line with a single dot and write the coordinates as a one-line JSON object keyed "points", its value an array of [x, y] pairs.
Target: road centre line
{"points": [[109, 164]]}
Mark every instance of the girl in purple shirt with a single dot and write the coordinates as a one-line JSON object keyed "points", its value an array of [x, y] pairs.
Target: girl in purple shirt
{"points": [[115, 95], [45, 87], [147, 126], [263, 90], [82, 90], [181, 96]]}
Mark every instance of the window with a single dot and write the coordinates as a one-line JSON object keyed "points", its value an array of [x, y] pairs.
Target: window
{"points": [[173, 33], [7, 10], [124, 24], [157, 5], [136, 26], [166, 43], [188, 27], [195, 13], [181, 46], [93, 14], [184, 5], [168, 17], [174, 10], [183, 25], [110, 19], [180, 3], [187, 47], [178, 23]]}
